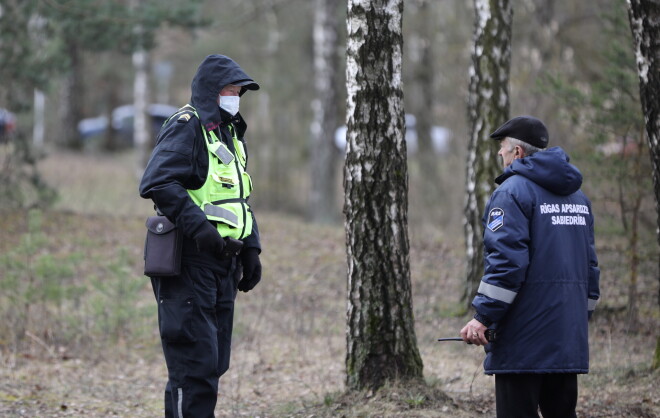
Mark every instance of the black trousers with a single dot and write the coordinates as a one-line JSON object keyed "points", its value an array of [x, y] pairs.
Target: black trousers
{"points": [[521, 395], [195, 317]]}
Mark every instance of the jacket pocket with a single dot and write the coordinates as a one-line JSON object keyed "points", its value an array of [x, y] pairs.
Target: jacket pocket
{"points": [[175, 319]]}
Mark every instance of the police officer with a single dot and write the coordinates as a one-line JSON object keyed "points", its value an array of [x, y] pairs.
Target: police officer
{"points": [[541, 275], [197, 177]]}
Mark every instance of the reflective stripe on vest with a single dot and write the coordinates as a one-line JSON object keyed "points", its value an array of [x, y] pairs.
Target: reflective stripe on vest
{"points": [[219, 212], [223, 197]]}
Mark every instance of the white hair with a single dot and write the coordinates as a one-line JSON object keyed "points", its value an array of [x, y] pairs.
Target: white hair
{"points": [[529, 149]]}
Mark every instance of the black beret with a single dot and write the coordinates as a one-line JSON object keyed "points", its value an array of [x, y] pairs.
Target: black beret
{"points": [[524, 128]]}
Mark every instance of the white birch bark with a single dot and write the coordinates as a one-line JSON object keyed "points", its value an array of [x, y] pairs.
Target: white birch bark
{"points": [[39, 129], [644, 16], [140, 93], [323, 204], [381, 341], [488, 107]]}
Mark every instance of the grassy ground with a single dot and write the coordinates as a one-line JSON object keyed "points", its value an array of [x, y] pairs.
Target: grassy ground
{"points": [[289, 339]]}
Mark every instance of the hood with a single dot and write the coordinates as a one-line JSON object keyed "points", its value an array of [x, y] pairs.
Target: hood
{"points": [[549, 169], [215, 72]]}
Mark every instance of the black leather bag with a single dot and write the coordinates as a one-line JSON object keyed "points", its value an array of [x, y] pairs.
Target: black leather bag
{"points": [[162, 248]]}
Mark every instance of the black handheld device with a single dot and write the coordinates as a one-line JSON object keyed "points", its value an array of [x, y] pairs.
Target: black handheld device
{"points": [[490, 334], [232, 248]]}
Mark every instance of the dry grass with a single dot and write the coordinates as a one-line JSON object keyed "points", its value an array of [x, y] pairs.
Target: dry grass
{"points": [[289, 338]]}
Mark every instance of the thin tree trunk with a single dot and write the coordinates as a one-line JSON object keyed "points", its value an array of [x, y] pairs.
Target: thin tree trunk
{"points": [[277, 156], [140, 123], [630, 203], [633, 309], [71, 99], [424, 75], [141, 134], [488, 107], [381, 341], [323, 203], [644, 16], [111, 93], [39, 129]]}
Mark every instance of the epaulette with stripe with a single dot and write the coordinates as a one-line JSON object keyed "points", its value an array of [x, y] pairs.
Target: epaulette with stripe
{"points": [[182, 115]]}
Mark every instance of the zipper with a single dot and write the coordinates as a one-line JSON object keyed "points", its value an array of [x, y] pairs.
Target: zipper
{"points": [[240, 176]]}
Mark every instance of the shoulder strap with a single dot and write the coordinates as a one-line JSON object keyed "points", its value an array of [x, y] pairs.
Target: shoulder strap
{"points": [[183, 115]]}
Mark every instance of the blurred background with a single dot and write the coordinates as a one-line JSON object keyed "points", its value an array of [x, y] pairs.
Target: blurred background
{"points": [[69, 71], [74, 72]]}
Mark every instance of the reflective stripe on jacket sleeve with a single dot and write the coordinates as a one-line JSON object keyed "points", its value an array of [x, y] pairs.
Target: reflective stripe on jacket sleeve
{"points": [[497, 293], [591, 304]]}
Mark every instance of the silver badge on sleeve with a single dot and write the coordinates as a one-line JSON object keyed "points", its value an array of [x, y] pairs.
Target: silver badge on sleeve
{"points": [[495, 219]]}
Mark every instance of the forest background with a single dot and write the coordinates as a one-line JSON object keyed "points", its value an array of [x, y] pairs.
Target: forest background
{"points": [[72, 292]]}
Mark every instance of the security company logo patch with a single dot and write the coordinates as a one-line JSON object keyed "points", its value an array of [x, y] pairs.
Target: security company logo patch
{"points": [[495, 219]]}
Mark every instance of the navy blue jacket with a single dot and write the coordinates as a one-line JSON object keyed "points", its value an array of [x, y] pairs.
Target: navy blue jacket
{"points": [[541, 273], [179, 162]]}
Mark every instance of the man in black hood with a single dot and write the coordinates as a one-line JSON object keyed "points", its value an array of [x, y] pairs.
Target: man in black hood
{"points": [[197, 178]]}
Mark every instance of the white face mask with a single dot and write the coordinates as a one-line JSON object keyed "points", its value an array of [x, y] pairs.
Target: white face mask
{"points": [[230, 104]]}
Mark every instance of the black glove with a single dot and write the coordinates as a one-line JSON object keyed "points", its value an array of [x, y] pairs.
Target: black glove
{"points": [[208, 239], [251, 269]]}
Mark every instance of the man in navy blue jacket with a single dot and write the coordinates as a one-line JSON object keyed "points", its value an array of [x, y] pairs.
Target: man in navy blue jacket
{"points": [[540, 283]]}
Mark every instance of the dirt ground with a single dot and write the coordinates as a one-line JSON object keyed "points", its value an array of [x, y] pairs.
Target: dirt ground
{"points": [[289, 336]]}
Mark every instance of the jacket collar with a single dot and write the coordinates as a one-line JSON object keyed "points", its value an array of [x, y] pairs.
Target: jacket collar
{"points": [[236, 120]]}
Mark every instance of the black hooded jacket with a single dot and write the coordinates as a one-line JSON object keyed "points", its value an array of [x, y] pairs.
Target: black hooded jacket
{"points": [[179, 162]]}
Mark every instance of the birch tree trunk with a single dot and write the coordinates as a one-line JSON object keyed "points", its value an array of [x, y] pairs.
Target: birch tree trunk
{"points": [[39, 128], [323, 203], [381, 342], [488, 108], [140, 127], [644, 16], [141, 137]]}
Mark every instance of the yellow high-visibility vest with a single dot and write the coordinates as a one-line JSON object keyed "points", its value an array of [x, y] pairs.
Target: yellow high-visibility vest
{"points": [[223, 197]]}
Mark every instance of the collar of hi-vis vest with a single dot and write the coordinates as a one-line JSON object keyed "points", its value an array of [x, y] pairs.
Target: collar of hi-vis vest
{"points": [[213, 144], [221, 150]]}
